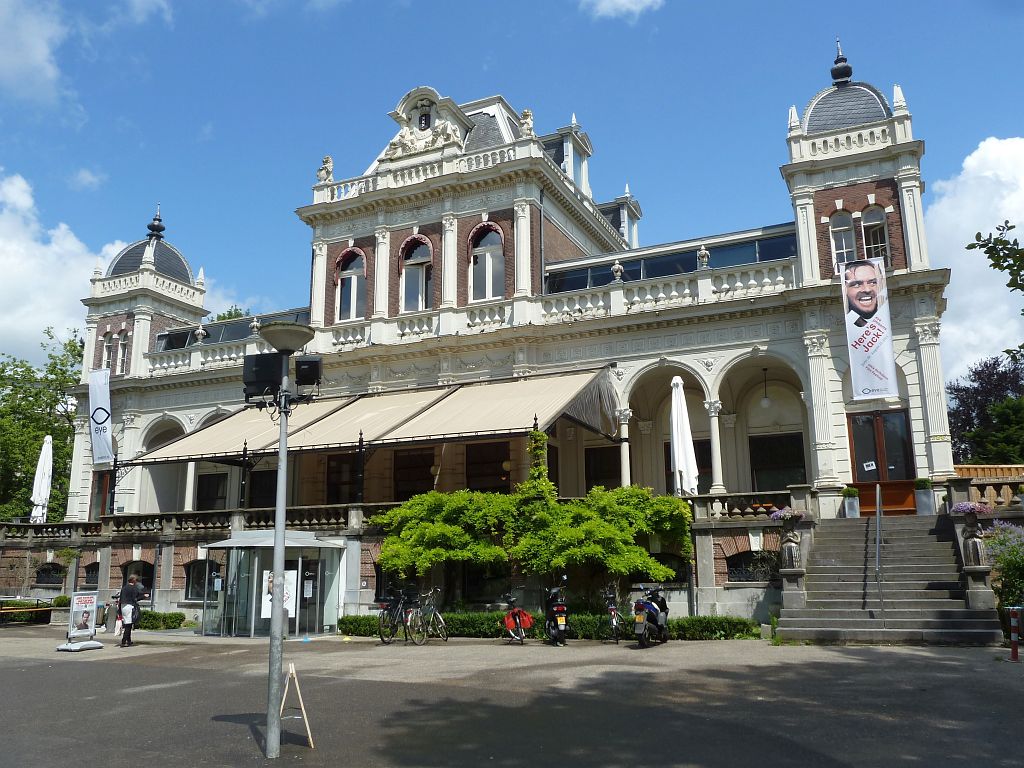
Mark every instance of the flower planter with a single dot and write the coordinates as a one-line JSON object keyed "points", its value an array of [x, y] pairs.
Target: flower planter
{"points": [[924, 501], [851, 506]]}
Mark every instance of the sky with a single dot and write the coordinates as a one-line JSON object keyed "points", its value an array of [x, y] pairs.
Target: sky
{"points": [[220, 111]]}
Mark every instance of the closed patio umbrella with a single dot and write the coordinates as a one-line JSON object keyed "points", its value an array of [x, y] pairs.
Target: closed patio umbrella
{"points": [[684, 459], [41, 485]]}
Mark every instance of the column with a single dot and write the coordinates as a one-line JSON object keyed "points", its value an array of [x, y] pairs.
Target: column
{"points": [[933, 392], [381, 257], [806, 235], [714, 407], [913, 222], [188, 504], [89, 353], [820, 412], [449, 260], [318, 287], [522, 246], [140, 343], [624, 415]]}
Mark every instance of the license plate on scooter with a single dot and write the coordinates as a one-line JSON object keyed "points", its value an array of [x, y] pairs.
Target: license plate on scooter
{"points": [[639, 623], [561, 622]]}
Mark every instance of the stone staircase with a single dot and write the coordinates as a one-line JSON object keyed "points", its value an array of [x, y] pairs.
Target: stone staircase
{"points": [[923, 595]]}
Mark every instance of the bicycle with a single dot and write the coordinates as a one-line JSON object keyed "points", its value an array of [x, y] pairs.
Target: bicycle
{"points": [[400, 610], [432, 619], [516, 621], [614, 619]]}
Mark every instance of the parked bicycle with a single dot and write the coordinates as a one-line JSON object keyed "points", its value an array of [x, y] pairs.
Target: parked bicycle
{"points": [[516, 621], [614, 619], [432, 619], [401, 611]]}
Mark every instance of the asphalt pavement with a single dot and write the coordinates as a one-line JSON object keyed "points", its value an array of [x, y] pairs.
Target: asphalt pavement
{"points": [[175, 699]]}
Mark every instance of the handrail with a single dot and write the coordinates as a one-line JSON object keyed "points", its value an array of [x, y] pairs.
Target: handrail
{"points": [[878, 550]]}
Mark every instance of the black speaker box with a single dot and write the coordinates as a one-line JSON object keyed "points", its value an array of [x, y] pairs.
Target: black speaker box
{"points": [[261, 373], [308, 370]]}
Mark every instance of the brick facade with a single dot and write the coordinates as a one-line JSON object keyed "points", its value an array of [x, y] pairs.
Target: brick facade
{"points": [[729, 544], [855, 200], [557, 245], [122, 324], [335, 251], [429, 233], [470, 228]]}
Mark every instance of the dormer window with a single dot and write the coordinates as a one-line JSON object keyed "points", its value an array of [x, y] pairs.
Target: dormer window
{"points": [[876, 237], [351, 298], [844, 245], [416, 269], [487, 267]]}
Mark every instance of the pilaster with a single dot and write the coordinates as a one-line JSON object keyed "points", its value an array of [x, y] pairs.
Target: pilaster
{"points": [[933, 392], [820, 409], [524, 277], [318, 285]]}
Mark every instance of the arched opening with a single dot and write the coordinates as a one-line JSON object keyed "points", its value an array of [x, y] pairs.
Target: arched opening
{"points": [[351, 281], [416, 276], [166, 482], [50, 575], [486, 266], [143, 572]]}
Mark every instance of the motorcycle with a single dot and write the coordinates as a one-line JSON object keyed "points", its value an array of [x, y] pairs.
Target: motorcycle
{"points": [[556, 613], [650, 618]]}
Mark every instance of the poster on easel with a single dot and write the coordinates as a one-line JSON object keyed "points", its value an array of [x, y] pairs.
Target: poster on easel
{"points": [[82, 616], [291, 581]]}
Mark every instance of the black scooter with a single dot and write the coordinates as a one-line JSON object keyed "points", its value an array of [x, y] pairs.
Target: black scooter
{"points": [[650, 617], [556, 613]]}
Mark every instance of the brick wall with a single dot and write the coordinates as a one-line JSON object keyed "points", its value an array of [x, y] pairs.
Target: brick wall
{"points": [[557, 245], [364, 245], [430, 233], [855, 199], [121, 555], [369, 552], [728, 544], [470, 228], [114, 324]]}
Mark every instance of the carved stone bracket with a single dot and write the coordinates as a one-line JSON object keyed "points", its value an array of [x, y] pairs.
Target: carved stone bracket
{"points": [[927, 331], [816, 343]]}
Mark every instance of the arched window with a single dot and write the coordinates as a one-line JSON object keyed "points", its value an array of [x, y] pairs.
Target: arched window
{"points": [[92, 575], [876, 237], [50, 575], [416, 277], [844, 245], [141, 569], [200, 579], [122, 357], [351, 299], [487, 267], [108, 351]]}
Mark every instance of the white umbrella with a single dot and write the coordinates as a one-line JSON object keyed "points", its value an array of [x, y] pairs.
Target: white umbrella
{"points": [[41, 485], [684, 459]]}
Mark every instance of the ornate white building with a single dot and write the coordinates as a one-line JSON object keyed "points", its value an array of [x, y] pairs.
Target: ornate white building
{"points": [[466, 283]]}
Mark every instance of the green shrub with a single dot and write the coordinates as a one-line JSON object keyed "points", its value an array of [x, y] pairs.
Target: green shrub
{"points": [[712, 628], [922, 484], [849, 492], [24, 617], [158, 620], [1006, 547], [358, 626], [61, 601]]}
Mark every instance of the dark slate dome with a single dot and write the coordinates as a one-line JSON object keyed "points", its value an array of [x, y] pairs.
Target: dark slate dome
{"points": [[846, 104], [167, 259]]}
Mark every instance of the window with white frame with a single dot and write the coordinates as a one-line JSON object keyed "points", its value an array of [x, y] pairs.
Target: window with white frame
{"points": [[108, 351], [351, 299], [876, 238], [487, 267], [844, 243], [122, 355], [416, 277]]}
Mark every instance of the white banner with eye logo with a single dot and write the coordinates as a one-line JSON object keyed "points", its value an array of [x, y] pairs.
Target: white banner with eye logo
{"points": [[100, 424], [869, 330]]}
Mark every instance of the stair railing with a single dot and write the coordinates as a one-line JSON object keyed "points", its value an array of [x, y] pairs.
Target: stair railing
{"points": [[878, 550]]}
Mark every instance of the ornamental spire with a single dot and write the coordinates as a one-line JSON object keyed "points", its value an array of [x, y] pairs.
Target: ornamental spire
{"points": [[156, 227], [842, 71]]}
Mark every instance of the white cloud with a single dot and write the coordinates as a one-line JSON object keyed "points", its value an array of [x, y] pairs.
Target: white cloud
{"points": [[83, 178], [46, 272], [30, 34], [983, 316], [221, 298], [613, 8], [139, 11]]}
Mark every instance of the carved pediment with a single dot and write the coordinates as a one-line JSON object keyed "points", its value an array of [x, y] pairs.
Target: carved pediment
{"points": [[426, 122]]}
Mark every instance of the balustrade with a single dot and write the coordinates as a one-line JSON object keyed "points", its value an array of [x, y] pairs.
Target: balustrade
{"points": [[648, 295], [740, 506], [487, 317], [351, 334], [568, 308], [414, 326], [226, 353]]}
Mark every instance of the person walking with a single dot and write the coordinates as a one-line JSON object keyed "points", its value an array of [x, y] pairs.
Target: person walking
{"points": [[131, 593]]}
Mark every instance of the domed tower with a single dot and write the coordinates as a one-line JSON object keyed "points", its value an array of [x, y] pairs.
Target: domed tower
{"points": [[148, 288], [855, 178]]}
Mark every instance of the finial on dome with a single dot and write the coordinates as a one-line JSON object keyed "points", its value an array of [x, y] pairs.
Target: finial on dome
{"points": [[842, 71], [627, 190], [156, 226], [794, 118], [201, 277], [574, 123]]}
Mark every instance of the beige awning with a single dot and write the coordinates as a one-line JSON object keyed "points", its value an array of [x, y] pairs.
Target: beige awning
{"points": [[419, 415], [251, 428]]}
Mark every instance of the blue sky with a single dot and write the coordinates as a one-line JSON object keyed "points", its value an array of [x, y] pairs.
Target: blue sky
{"points": [[221, 110]]}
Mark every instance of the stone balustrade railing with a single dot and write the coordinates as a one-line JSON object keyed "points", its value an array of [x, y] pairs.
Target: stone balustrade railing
{"points": [[570, 307], [649, 295], [225, 353], [410, 327], [351, 334], [487, 317], [742, 506]]}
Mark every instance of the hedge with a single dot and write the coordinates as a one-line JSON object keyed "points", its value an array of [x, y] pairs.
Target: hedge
{"points": [[582, 626], [157, 620], [24, 617]]}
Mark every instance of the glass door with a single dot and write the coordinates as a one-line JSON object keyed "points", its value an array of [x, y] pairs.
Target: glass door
{"points": [[881, 447]]}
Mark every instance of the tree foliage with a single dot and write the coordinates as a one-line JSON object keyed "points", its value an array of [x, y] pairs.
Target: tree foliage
{"points": [[533, 531], [1008, 257], [232, 312], [988, 383], [33, 404], [1003, 441]]}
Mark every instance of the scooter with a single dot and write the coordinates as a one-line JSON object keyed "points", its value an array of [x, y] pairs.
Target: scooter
{"points": [[556, 613], [650, 618]]}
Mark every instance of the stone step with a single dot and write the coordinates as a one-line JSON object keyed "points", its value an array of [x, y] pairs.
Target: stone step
{"points": [[888, 593], [871, 603], [892, 636], [833, 585], [890, 613], [927, 560], [887, 538], [891, 571], [890, 622]]}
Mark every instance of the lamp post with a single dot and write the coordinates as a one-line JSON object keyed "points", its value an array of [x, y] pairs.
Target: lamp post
{"points": [[285, 337]]}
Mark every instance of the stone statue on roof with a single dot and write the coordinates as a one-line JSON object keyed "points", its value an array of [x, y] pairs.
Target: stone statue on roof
{"points": [[325, 175], [526, 124]]}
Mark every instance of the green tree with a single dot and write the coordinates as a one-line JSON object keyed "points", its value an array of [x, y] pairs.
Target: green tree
{"points": [[1007, 256], [987, 383], [231, 313], [34, 403], [1002, 442]]}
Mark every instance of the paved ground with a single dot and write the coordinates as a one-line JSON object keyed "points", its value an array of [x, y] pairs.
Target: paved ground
{"points": [[482, 703]]}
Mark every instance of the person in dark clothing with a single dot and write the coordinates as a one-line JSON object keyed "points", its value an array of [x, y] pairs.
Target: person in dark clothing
{"points": [[131, 593]]}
